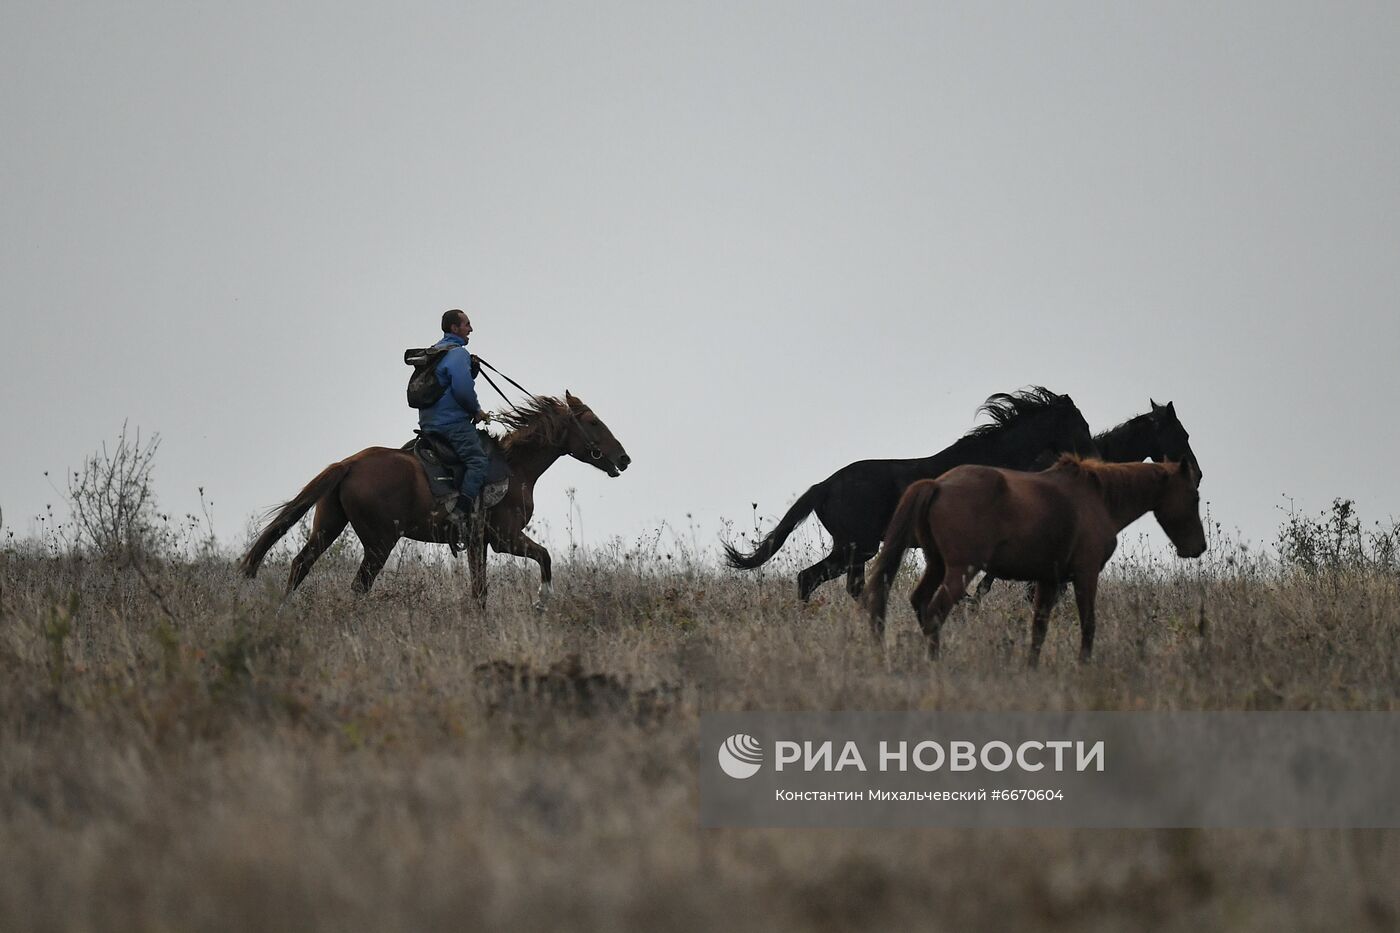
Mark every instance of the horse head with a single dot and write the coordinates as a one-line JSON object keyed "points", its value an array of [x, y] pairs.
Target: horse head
{"points": [[1169, 439], [1178, 508], [590, 441]]}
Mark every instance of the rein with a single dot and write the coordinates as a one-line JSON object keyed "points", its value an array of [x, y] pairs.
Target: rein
{"points": [[492, 382], [594, 451]]}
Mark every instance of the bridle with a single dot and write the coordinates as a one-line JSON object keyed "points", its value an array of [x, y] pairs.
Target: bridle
{"points": [[595, 451]]}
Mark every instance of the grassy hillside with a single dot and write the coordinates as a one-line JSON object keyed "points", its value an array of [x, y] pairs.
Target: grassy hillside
{"points": [[175, 752]]}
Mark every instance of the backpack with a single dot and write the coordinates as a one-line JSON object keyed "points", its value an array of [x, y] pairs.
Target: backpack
{"points": [[423, 387]]}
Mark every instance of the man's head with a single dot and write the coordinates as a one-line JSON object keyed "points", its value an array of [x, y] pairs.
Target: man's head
{"points": [[456, 322]]}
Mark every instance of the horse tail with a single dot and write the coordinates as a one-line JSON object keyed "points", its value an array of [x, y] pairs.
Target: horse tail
{"points": [[899, 537], [803, 507], [289, 513]]}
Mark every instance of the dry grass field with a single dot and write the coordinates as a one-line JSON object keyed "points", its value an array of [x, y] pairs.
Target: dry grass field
{"points": [[177, 754]]}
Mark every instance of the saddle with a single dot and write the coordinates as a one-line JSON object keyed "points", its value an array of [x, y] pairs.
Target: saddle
{"points": [[444, 470]]}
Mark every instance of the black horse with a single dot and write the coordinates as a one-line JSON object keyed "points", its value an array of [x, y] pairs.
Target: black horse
{"points": [[1029, 429], [1153, 435]]}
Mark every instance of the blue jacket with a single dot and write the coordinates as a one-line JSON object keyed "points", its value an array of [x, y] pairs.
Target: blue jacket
{"points": [[458, 403]]}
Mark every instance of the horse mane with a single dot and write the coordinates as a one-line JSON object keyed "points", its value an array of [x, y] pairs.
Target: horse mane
{"points": [[544, 420], [1122, 428], [1006, 408], [1122, 484]]}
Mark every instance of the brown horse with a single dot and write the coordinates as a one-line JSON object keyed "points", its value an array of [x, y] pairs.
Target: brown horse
{"points": [[383, 494], [1058, 525]]}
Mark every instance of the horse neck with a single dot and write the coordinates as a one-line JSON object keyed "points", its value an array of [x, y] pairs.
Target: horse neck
{"points": [[1130, 491], [999, 448], [1130, 442], [963, 450], [531, 458]]}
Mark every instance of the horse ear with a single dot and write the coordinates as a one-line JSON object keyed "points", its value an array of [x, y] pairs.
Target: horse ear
{"points": [[1155, 406]]}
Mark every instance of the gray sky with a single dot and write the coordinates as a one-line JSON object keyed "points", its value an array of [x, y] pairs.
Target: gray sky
{"points": [[762, 240]]}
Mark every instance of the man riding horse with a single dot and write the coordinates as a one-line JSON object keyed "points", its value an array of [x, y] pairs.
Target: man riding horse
{"points": [[385, 493], [453, 417]]}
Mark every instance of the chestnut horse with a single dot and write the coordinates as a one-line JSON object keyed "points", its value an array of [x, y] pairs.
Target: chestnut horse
{"points": [[382, 492], [1153, 435], [1057, 525]]}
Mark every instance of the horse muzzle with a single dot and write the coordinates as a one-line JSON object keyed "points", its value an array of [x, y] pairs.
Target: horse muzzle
{"points": [[608, 465]]}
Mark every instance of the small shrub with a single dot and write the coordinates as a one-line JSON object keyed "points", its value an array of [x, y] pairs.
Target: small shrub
{"points": [[113, 505], [1334, 542]]}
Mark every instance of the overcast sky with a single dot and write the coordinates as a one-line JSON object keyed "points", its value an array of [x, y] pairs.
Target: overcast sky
{"points": [[760, 239]]}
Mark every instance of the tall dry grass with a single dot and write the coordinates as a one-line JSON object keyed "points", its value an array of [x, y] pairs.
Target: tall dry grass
{"points": [[180, 752]]}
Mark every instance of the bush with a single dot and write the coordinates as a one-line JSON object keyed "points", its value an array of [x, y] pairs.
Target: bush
{"points": [[1334, 542], [112, 501]]}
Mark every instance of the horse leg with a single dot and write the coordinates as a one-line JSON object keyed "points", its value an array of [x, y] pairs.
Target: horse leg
{"points": [[1047, 592], [828, 568], [984, 586], [329, 522], [925, 590], [1086, 588], [855, 570], [934, 612], [378, 545], [369, 569], [521, 545], [476, 565], [928, 584]]}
